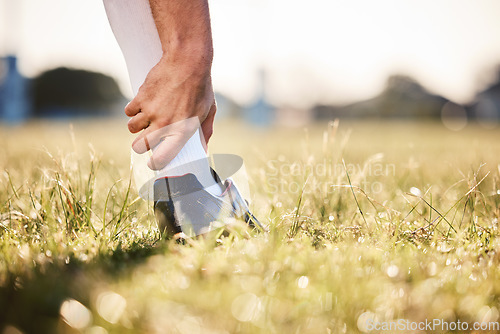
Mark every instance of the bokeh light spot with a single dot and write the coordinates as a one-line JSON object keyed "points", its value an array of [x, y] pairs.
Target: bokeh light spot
{"points": [[453, 116], [303, 282], [392, 270], [110, 306], [246, 307], [75, 314], [365, 319]]}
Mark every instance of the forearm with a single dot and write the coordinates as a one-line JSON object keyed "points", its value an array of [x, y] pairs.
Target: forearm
{"points": [[179, 86], [185, 32]]}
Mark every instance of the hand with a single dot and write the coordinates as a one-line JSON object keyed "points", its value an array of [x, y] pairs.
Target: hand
{"points": [[173, 91]]}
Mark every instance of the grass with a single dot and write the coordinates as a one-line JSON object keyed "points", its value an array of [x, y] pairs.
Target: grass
{"points": [[368, 222]]}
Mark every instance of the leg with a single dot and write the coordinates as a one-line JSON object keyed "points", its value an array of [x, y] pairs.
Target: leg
{"points": [[188, 195], [135, 31]]}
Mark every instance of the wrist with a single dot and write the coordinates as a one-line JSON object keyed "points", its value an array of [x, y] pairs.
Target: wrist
{"points": [[194, 55]]}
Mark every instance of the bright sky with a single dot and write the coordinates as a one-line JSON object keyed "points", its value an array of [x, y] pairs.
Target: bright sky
{"points": [[316, 50]]}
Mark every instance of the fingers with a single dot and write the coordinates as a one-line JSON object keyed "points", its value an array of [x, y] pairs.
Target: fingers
{"points": [[141, 144], [133, 108], [166, 151], [172, 139], [138, 122], [152, 136]]}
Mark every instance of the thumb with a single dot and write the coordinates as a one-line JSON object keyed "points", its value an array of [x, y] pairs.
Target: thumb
{"points": [[207, 126]]}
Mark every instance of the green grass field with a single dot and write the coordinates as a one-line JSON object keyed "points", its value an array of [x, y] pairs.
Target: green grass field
{"points": [[370, 223]]}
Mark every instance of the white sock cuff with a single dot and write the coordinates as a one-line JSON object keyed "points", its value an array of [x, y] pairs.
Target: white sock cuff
{"points": [[192, 151], [193, 159]]}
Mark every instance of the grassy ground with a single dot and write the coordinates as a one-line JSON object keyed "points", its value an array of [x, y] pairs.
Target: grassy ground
{"points": [[369, 222]]}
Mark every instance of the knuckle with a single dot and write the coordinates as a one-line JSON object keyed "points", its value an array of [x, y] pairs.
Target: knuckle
{"points": [[163, 123]]}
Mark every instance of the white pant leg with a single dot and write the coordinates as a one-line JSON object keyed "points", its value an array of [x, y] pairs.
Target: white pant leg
{"points": [[135, 31]]}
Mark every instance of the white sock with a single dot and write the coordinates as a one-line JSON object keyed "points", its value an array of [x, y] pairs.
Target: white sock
{"points": [[192, 159], [135, 31]]}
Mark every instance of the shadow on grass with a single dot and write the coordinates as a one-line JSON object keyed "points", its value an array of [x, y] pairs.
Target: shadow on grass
{"points": [[31, 302]]}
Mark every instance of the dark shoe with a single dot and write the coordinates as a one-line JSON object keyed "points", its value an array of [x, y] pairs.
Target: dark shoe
{"points": [[183, 206]]}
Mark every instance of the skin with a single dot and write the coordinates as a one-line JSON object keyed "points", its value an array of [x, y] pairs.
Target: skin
{"points": [[179, 87]]}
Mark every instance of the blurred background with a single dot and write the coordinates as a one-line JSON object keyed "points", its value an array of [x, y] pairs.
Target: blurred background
{"points": [[277, 62]]}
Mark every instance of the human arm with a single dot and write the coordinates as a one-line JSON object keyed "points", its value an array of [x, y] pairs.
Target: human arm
{"points": [[179, 86]]}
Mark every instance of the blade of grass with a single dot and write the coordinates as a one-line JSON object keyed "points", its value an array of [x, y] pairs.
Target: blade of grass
{"points": [[353, 194]]}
